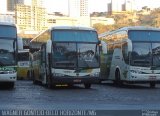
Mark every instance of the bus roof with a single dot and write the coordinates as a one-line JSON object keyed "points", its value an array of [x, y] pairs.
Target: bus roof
{"points": [[65, 27], [129, 28], [72, 28], [7, 24], [140, 28]]}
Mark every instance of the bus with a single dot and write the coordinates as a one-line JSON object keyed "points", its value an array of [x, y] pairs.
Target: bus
{"points": [[66, 55], [24, 65], [131, 54], [24, 68], [8, 53]]}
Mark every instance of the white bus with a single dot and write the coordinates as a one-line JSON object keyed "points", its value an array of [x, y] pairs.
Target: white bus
{"points": [[131, 54], [66, 55], [8, 53], [24, 68], [24, 59]]}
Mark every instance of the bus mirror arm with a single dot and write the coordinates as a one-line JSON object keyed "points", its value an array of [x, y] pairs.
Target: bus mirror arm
{"points": [[99, 42], [103, 47], [100, 48], [49, 46], [129, 45]]}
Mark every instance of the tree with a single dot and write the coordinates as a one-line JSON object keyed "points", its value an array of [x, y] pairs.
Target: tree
{"points": [[103, 28]]}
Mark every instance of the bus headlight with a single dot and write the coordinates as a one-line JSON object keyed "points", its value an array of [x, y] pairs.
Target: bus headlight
{"points": [[9, 72], [136, 71], [58, 74], [94, 74]]}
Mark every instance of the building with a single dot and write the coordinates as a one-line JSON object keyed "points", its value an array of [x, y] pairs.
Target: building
{"points": [[7, 17], [119, 6], [12, 3], [53, 20], [38, 14], [31, 17], [84, 8], [23, 16], [3, 8], [129, 5], [102, 20], [78, 8], [116, 5]]}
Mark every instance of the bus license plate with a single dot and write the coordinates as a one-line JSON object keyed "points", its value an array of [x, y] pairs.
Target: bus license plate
{"points": [[152, 77], [77, 80]]}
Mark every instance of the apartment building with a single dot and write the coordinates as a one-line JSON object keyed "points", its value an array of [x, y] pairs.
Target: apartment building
{"points": [[31, 17], [78, 8]]}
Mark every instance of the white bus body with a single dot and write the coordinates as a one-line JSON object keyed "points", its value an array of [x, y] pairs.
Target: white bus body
{"points": [[24, 68], [66, 55], [8, 53], [24, 59], [132, 54]]}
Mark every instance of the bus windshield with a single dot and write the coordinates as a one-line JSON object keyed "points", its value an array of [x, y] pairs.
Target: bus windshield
{"points": [[74, 55], [7, 31], [145, 54], [7, 52], [144, 35]]}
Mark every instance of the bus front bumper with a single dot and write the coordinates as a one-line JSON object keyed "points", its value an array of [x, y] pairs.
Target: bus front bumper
{"points": [[144, 78], [8, 77], [74, 80]]}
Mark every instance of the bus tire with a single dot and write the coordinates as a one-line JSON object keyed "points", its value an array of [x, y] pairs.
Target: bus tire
{"points": [[28, 75], [34, 80], [49, 83], [152, 84], [118, 81], [87, 85], [11, 85]]}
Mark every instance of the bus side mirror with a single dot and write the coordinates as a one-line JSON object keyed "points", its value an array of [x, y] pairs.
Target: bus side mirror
{"points": [[104, 47], [49, 46]]}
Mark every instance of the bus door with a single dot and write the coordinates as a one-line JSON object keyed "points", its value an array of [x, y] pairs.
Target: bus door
{"points": [[43, 64]]}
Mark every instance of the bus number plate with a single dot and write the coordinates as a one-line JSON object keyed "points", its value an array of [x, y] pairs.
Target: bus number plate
{"points": [[152, 77], [77, 80]]}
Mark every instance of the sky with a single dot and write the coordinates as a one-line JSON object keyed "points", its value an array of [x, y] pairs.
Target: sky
{"points": [[94, 5]]}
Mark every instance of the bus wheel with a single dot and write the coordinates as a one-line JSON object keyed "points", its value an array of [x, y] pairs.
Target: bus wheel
{"points": [[152, 84], [118, 78], [11, 85], [34, 80], [28, 75], [87, 86], [48, 83]]}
